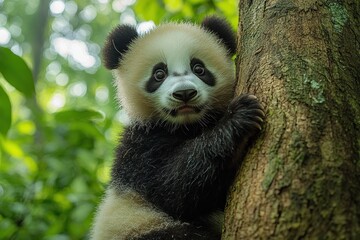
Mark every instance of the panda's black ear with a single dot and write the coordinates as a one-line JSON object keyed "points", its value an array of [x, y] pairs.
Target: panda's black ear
{"points": [[117, 44], [222, 29]]}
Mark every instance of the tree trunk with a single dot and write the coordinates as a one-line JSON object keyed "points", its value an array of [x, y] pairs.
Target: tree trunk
{"points": [[41, 21], [301, 178]]}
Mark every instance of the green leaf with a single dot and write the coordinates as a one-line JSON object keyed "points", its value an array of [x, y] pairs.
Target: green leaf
{"points": [[16, 72], [78, 115], [5, 112], [150, 10]]}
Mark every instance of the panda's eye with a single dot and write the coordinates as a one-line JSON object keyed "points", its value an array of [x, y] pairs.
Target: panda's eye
{"points": [[198, 69], [160, 75]]}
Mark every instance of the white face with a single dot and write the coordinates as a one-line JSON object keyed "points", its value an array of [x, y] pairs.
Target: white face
{"points": [[181, 90], [176, 74]]}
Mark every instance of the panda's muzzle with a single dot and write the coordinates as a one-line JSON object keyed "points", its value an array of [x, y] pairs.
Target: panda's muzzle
{"points": [[185, 95], [183, 110]]}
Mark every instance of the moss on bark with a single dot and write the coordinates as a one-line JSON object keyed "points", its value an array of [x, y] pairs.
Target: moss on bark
{"points": [[301, 179]]}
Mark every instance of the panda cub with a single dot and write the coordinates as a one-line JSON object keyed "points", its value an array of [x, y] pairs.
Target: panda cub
{"points": [[176, 161]]}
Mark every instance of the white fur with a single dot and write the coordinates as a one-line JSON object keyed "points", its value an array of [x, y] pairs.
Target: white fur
{"points": [[165, 99], [175, 45], [127, 215]]}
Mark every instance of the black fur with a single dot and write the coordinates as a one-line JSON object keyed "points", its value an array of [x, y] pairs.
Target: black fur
{"points": [[222, 30], [152, 84], [117, 43], [181, 232], [186, 172], [207, 77]]}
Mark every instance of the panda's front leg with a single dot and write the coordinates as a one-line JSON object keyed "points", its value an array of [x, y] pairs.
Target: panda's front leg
{"points": [[196, 177], [243, 119]]}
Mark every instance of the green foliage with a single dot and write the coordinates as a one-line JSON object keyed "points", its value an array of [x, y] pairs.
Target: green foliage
{"points": [[16, 72], [5, 109], [57, 143], [193, 10], [78, 115], [52, 175]]}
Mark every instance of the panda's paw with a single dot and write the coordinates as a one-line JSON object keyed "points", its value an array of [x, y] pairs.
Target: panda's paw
{"points": [[246, 114]]}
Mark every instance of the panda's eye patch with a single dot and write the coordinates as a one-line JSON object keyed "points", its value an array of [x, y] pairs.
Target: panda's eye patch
{"points": [[202, 72], [160, 72], [198, 69], [159, 75]]}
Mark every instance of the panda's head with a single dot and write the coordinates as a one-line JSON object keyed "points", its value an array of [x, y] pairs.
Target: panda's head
{"points": [[177, 73]]}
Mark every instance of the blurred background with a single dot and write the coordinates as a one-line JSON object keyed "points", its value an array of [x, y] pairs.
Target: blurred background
{"points": [[59, 120]]}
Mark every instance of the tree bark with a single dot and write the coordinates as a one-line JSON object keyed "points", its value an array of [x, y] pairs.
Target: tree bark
{"points": [[301, 178], [38, 42], [41, 19]]}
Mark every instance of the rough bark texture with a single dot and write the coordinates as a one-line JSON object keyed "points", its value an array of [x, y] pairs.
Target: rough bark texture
{"points": [[301, 179]]}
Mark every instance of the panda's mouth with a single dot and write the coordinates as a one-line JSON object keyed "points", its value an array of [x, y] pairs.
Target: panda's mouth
{"points": [[184, 110]]}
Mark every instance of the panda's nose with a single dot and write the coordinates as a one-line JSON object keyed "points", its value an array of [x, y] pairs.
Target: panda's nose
{"points": [[185, 95]]}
